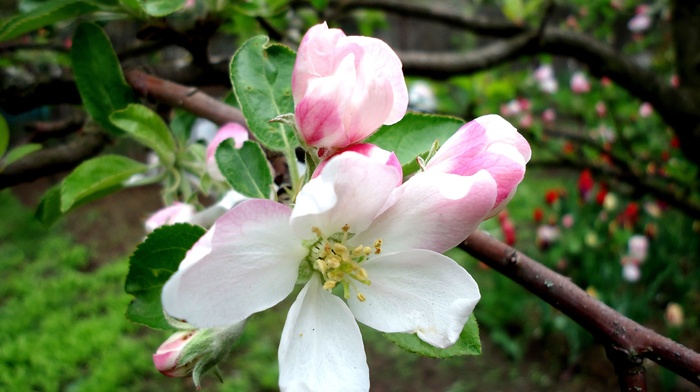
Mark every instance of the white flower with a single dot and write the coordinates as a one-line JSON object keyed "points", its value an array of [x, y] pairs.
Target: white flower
{"points": [[353, 232]]}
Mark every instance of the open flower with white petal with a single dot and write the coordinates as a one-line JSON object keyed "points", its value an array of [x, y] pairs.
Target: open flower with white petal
{"points": [[367, 250]]}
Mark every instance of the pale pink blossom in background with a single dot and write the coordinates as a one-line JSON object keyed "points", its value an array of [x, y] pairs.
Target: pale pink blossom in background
{"points": [[526, 120], [641, 21], [605, 81], [638, 247], [601, 109], [511, 108], [645, 109], [345, 87], [549, 115], [176, 213], [567, 221], [544, 75], [631, 272], [579, 83], [230, 130]]}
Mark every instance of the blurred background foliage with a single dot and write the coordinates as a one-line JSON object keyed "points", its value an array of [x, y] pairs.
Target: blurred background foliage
{"points": [[609, 169]]}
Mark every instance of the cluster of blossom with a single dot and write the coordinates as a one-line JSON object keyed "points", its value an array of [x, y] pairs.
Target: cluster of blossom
{"points": [[366, 245], [628, 218]]}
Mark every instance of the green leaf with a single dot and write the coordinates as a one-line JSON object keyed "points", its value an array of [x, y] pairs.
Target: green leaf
{"points": [[49, 209], [246, 169], [97, 177], [514, 10], [20, 152], [4, 136], [151, 265], [414, 134], [467, 344], [47, 13], [147, 128], [98, 75], [161, 7], [261, 74]]}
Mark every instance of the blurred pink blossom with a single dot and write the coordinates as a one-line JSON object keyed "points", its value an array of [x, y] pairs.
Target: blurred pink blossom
{"points": [[549, 115], [645, 109], [601, 109], [641, 21], [579, 83], [176, 213]]}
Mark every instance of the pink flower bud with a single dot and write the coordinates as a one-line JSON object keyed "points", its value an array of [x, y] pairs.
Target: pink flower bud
{"points": [[167, 358], [371, 151], [345, 87], [487, 143], [579, 83], [176, 213], [229, 130]]}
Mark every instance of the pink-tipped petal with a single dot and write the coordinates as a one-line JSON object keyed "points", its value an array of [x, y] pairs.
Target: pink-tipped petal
{"points": [[252, 266], [434, 211], [372, 152]]}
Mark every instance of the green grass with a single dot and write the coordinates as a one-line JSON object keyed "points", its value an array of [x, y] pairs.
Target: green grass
{"points": [[62, 326]]}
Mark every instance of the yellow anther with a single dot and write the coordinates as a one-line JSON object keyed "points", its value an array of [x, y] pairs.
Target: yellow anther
{"points": [[361, 274], [378, 246], [361, 297], [367, 250], [336, 275], [346, 228], [321, 266], [332, 262], [329, 285], [340, 248], [316, 231], [358, 251]]}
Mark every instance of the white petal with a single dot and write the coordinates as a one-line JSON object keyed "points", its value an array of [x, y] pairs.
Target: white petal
{"points": [[252, 265], [351, 190], [321, 347], [432, 210], [417, 291]]}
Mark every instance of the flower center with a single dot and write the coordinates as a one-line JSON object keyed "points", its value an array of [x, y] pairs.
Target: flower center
{"points": [[338, 263]]}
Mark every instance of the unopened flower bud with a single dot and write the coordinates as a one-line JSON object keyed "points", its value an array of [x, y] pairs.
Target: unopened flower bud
{"points": [[195, 351]]}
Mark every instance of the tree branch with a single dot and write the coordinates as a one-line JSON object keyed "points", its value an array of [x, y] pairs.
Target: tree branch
{"points": [[55, 159], [179, 96], [629, 340], [437, 12]]}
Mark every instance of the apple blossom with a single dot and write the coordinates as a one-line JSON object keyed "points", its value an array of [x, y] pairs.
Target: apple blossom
{"points": [[549, 115], [354, 231], [641, 21], [229, 130], [176, 213], [486, 143], [345, 87], [645, 109], [579, 83]]}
